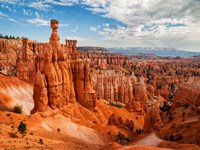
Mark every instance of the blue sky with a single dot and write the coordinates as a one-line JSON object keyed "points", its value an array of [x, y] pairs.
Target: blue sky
{"points": [[107, 23]]}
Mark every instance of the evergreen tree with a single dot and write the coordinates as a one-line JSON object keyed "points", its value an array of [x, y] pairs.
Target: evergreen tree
{"points": [[22, 128]]}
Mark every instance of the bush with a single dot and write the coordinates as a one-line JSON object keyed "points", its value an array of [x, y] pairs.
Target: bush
{"points": [[58, 130], [17, 109], [41, 141], [139, 131], [22, 128], [165, 107], [8, 114], [122, 139], [115, 105]]}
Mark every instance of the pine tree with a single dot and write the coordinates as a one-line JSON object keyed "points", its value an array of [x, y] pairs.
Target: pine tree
{"points": [[22, 128]]}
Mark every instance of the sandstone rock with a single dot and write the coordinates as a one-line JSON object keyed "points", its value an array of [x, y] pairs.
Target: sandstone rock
{"points": [[25, 67], [118, 122], [115, 87], [152, 119], [66, 80], [191, 90], [83, 86], [40, 94]]}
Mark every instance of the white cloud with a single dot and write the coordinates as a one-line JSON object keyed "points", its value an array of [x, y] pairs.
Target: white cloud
{"points": [[78, 38], [149, 22], [27, 12], [38, 16], [16, 21], [3, 15], [62, 2], [7, 8], [47, 5], [93, 29], [75, 29], [106, 24], [64, 25], [142, 11], [10, 1], [40, 6], [38, 22], [175, 34]]}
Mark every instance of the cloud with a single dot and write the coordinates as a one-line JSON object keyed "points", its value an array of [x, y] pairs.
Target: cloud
{"points": [[15, 21], [62, 2], [38, 22], [142, 11], [27, 12], [47, 5], [106, 24], [63, 25], [163, 33], [95, 29], [7, 8], [148, 22], [40, 6], [78, 38], [10, 1], [75, 29], [3, 15]]}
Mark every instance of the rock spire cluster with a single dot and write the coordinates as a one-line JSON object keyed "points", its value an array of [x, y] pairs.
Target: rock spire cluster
{"points": [[61, 77]]}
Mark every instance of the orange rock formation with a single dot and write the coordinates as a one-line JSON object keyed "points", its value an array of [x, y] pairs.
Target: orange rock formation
{"points": [[59, 79], [25, 67]]}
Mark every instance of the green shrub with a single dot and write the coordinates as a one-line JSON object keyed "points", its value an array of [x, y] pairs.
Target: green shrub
{"points": [[41, 141], [122, 139], [58, 130], [8, 114], [22, 128], [17, 109], [116, 105]]}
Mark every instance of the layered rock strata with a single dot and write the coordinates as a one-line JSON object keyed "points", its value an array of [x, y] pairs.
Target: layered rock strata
{"points": [[128, 90], [188, 93], [25, 64], [59, 79]]}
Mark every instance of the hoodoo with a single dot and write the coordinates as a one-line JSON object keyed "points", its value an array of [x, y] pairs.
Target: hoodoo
{"points": [[60, 76]]}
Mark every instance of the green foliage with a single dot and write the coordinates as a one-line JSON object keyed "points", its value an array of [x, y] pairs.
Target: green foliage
{"points": [[17, 109], [122, 139], [139, 131], [165, 107], [9, 37], [41, 141], [22, 128], [115, 105], [8, 114]]}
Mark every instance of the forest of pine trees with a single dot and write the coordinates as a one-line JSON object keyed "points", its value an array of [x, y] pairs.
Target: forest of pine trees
{"points": [[9, 37]]}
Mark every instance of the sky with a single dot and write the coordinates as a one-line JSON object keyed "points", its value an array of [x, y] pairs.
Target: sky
{"points": [[106, 23]]}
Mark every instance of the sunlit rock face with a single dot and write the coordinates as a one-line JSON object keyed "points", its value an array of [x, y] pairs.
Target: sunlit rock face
{"points": [[25, 67], [188, 93], [61, 78], [118, 88]]}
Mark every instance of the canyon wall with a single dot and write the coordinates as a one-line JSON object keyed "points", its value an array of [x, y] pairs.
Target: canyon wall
{"points": [[188, 93]]}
